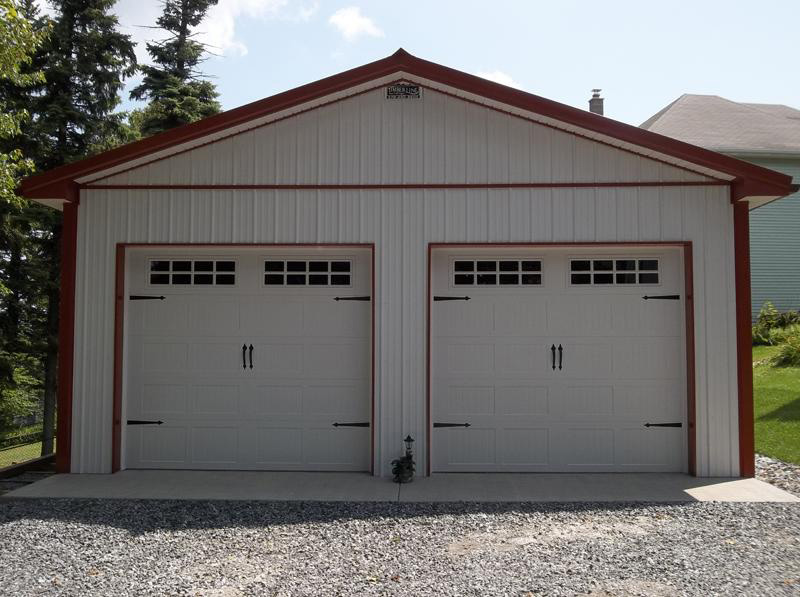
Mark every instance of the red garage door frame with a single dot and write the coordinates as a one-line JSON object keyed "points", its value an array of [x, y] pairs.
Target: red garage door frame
{"points": [[688, 270], [119, 325]]}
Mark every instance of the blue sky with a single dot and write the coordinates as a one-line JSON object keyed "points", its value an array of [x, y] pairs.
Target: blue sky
{"points": [[642, 54]]}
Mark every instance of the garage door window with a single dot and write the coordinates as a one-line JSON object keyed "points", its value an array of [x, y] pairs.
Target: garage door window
{"points": [[497, 272], [300, 272], [192, 272], [608, 271]]}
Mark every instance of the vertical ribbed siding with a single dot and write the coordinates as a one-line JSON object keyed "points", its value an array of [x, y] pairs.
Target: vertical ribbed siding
{"points": [[401, 224], [370, 140], [775, 246]]}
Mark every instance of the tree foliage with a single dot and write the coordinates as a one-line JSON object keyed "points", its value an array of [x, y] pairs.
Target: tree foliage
{"points": [[173, 85]]}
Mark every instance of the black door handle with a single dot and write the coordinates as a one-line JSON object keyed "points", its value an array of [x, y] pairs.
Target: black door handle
{"points": [[560, 356], [244, 353], [553, 354], [251, 356]]}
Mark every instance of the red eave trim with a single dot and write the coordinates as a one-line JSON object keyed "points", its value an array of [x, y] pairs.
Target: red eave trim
{"points": [[761, 180]]}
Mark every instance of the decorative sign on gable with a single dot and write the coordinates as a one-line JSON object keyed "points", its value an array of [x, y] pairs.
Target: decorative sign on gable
{"points": [[403, 91]]}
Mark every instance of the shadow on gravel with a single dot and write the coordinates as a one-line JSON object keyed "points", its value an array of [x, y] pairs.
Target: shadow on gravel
{"points": [[143, 516]]}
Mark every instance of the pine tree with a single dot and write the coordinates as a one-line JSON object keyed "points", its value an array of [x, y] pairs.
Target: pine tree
{"points": [[84, 61], [173, 85]]}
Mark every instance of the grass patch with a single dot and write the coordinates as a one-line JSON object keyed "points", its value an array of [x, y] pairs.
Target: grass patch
{"points": [[18, 454], [776, 393]]}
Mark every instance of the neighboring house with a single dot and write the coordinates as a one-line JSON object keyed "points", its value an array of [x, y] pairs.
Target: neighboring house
{"points": [[403, 248], [767, 135]]}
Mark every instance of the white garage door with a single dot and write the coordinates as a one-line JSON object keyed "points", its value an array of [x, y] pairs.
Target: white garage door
{"points": [[556, 362], [250, 361]]}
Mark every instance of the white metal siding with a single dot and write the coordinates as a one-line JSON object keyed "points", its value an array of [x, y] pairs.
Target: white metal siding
{"points": [[370, 140], [401, 223]]}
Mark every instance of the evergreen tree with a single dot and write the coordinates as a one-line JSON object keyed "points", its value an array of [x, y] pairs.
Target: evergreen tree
{"points": [[173, 84], [84, 61]]}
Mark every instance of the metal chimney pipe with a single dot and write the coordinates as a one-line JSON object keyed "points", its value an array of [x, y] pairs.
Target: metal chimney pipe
{"points": [[596, 102]]}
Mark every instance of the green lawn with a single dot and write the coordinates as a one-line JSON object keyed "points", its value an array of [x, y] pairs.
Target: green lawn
{"points": [[9, 456], [777, 406]]}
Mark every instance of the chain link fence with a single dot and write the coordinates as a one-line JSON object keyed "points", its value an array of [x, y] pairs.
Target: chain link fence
{"points": [[23, 438]]}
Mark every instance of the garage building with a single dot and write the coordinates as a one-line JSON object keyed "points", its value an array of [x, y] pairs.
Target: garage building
{"points": [[406, 249]]}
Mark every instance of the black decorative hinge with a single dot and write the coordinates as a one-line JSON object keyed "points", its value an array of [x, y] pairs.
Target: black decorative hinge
{"points": [[451, 298], [663, 297], [138, 422], [452, 425], [351, 298], [351, 424], [146, 297], [663, 424]]}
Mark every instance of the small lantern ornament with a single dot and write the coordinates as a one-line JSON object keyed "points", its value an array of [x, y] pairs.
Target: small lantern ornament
{"points": [[403, 468]]}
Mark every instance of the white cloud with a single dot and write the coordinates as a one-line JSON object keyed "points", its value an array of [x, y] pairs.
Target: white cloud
{"points": [[499, 76], [352, 24], [218, 30]]}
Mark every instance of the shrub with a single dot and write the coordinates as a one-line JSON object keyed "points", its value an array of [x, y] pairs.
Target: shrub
{"points": [[760, 335], [787, 318], [780, 335], [768, 316], [789, 352]]}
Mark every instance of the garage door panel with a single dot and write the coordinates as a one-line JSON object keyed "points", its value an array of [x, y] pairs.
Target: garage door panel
{"points": [[164, 445], [581, 315], [217, 400], [651, 358], [336, 361], [338, 319], [633, 316], [311, 358], [343, 447], [622, 365], [469, 359], [164, 356], [169, 316], [520, 315], [335, 400], [215, 357], [214, 315], [588, 360], [522, 400], [467, 318], [215, 445], [279, 447], [163, 399], [588, 447], [473, 446], [653, 401], [593, 400], [278, 400], [527, 447], [469, 400], [524, 360], [273, 316], [652, 448]]}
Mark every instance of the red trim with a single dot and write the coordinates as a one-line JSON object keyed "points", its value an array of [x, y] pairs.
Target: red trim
{"points": [[686, 246], [119, 325], [761, 180], [345, 187], [66, 332], [691, 410], [429, 414], [744, 340]]}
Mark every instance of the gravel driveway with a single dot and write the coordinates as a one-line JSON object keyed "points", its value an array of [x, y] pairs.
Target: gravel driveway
{"points": [[122, 547]]}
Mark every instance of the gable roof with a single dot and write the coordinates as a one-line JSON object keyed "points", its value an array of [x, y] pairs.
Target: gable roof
{"points": [[716, 123], [750, 180]]}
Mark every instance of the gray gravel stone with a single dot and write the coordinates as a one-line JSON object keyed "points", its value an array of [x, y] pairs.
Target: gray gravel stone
{"points": [[780, 474], [228, 549]]}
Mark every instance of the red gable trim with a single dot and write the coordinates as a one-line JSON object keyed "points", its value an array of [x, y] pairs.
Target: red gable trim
{"points": [[753, 179]]}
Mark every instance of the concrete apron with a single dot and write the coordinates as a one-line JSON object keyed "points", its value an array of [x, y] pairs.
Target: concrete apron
{"points": [[443, 487]]}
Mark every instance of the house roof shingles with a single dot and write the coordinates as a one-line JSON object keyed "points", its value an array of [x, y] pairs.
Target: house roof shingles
{"points": [[723, 125]]}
